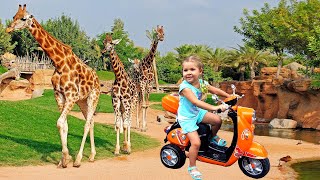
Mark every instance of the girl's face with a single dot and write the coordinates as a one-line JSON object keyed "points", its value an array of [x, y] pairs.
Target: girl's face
{"points": [[191, 72]]}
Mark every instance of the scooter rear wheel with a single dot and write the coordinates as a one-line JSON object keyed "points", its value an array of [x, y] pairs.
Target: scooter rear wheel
{"points": [[255, 168], [172, 156]]}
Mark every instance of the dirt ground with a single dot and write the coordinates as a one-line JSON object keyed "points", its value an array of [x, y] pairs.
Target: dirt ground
{"points": [[147, 164]]}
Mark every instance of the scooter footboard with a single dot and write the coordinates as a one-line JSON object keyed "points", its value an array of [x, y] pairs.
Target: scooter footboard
{"points": [[256, 151]]}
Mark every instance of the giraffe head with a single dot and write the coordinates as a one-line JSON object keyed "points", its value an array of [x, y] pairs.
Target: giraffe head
{"points": [[160, 33], [135, 62], [109, 43], [21, 20], [156, 34]]}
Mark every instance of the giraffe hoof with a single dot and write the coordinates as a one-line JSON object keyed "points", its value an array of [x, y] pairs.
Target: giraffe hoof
{"points": [[144, 130], [76, 164], [91, 158], [64, 162]]}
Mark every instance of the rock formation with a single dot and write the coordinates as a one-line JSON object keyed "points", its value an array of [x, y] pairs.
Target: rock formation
{"points": [[285, 97]]}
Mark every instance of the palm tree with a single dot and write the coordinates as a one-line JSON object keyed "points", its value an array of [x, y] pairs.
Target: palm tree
{"points": [[216, 59], [246, 56]]}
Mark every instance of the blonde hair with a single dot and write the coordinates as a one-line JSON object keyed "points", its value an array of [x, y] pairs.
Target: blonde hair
{"points": [[195, 59]]}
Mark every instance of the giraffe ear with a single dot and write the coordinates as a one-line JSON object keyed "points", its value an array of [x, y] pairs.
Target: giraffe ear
{"points": [[149, 35], [116, 41]]}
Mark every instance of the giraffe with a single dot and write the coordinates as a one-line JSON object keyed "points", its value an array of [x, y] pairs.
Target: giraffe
{"points": [[124, 95], [147, 74], [73, 82], [135, 75]]}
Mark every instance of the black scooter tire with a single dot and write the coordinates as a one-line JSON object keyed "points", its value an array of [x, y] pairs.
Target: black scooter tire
{"points": [[172, 156], [264, 167]]}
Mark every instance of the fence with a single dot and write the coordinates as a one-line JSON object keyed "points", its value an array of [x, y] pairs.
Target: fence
{"points": [[31, 63]]}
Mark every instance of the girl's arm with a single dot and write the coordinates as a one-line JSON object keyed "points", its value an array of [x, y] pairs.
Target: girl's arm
{"points": [[217, 91], [186, 92]]}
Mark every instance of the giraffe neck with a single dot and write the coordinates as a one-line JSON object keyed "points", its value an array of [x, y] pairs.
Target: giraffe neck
{"points": [[118, 67], [147, 61], [55, 49]]}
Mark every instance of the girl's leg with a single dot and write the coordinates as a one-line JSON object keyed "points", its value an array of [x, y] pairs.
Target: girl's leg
{"points": [[194, 148], [214, 120]]}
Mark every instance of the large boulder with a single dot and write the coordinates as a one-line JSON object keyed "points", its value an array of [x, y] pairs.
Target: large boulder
{"points": [[41, 79], [283, 123]]}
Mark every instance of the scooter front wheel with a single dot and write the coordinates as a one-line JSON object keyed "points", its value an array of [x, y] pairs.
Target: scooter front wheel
{"points": [[172, 156], [255, 168]]}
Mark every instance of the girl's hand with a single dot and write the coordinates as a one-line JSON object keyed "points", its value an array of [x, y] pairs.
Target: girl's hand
{"points": [[222, 107]]}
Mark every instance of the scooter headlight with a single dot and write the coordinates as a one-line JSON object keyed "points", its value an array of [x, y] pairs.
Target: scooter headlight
{"points": [[254, 118]]}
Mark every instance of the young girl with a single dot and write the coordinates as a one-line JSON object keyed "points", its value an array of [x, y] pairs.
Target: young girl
{"points": [[192, 110]]}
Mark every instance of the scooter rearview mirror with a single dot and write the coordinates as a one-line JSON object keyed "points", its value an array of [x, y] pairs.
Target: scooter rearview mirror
{"points": [[215, 97], [233, 87]]}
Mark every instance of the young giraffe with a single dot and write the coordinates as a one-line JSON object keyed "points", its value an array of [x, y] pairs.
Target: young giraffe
{"points": [[124, 95], [147, 74], [135, 75], [73, 82]]}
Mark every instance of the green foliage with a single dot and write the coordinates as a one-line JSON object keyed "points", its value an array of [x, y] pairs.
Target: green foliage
{"points": [[5, 38], [25, 42], [69, 32], [2, 69], [169, 68], [315, 81], [31, 136], [125, 49]]}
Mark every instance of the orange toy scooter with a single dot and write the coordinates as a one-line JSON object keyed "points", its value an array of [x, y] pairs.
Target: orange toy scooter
{"points": [[252, 157]]}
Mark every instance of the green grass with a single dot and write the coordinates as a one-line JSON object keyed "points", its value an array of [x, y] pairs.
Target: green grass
{"points": [[29, 135], [2, 69], [161, 82], [105, 75], [156, 106], [156, 97]]}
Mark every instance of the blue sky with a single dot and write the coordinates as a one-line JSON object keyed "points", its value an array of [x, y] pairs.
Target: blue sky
{"points": [[208, 22]]}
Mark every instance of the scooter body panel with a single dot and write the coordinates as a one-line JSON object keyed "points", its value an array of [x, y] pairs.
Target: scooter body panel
{"points": [[257, 150]]}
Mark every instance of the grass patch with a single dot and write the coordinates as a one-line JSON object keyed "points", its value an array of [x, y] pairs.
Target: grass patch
{"points": [[156, 106], [31, 137], [105, 75], [156, 97], [161, 82]]}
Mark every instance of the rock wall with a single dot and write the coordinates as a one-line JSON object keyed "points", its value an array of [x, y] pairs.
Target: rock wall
{"points": [[284, 98]]}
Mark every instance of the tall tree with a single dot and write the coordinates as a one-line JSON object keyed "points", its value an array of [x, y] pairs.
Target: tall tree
{"points": [[69, 32], [266, 30], [5, 38], [126, 48]]}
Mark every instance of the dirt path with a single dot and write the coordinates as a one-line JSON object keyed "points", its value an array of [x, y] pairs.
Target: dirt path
{"points": [[147, 164]]}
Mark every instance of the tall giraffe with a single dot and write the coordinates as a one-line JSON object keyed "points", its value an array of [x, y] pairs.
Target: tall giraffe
{"points": [[73, 82], [147, 74], [124, 95]]}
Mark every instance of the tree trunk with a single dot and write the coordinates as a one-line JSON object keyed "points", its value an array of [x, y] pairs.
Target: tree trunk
{"points": [[155, 74], [252, 73], [242, 69], [279, 66]]}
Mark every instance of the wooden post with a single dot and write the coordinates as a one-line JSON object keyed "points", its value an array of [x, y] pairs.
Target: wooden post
{"points": [[155, 74]]}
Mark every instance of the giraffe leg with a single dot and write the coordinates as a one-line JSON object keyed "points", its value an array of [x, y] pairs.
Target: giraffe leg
{"points": [[118, 122], [93, 148], [62, 125], [126, 126], [87, 107], [117, 149], [144, 107]]}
